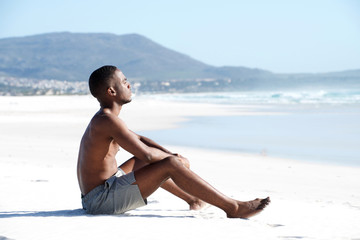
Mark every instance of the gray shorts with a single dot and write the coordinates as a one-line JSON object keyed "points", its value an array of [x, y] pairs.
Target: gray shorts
{"points": [[117, 195]]}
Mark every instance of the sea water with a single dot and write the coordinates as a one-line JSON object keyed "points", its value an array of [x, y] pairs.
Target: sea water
{"points": [[319, 126]]}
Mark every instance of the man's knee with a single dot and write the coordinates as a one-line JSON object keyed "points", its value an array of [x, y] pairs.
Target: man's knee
{"points": [[173, 162], [185, 162]]}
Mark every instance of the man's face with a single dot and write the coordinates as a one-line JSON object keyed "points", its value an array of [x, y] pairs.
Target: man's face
{"points": [[122, 87]]}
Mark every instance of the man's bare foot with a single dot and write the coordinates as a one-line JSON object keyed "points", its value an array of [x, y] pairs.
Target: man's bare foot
{"points": [[197, 204], [250, 208]]}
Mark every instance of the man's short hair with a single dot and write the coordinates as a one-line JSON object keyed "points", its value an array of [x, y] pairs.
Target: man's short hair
{"points": [[99, 79]]}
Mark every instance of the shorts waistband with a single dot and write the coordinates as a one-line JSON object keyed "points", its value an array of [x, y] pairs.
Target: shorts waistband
{"points": [[98, 189]]}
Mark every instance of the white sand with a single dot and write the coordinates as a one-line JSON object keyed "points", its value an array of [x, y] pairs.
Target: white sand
{"points": [[40, 199]]}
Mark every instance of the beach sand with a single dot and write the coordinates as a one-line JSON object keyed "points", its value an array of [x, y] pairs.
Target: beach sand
{"points": [[40, 197]]}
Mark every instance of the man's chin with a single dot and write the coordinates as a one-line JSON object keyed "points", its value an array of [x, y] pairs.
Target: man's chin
{"points": [[127, 101]]}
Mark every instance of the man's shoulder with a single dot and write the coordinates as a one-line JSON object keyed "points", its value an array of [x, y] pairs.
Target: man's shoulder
{"points": [[103, 117], [106, 120]]}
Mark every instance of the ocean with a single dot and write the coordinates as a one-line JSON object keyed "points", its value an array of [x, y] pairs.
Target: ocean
{"points": [[318, 126]]}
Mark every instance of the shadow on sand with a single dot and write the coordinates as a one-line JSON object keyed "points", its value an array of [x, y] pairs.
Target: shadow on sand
{"points": [[58, 213], [77, 213]]}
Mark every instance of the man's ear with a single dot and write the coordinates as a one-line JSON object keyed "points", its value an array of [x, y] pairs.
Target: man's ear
{"points": [[111, 91]]}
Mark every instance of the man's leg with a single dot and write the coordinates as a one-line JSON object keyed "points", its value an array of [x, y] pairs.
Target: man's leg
{"points": [[195, 203], [151, 177]]}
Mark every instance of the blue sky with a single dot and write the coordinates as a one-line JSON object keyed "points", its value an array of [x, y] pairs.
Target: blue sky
{"points": [[280, 36]]}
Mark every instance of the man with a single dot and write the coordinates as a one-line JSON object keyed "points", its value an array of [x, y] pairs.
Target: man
{"points": [[108, 189]]}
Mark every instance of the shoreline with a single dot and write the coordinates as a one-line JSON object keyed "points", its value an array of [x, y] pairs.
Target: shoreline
{"points": [[322, 134], [40, 138], [78, 110]]}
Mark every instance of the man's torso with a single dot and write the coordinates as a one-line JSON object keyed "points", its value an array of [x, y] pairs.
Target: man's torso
{"points": [[96, 161]]}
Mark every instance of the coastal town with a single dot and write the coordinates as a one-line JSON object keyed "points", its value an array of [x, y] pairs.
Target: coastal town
{"points": [[13, 86]]}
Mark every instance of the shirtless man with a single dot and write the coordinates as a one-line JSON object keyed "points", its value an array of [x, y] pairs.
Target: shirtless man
{"points": [[108, 189]]}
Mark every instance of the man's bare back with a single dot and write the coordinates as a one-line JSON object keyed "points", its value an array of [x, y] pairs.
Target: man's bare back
{"points": [[96, 162], [152, 166]]}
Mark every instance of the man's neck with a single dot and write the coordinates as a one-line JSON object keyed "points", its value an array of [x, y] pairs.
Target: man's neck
{"points": [[113, 108]]}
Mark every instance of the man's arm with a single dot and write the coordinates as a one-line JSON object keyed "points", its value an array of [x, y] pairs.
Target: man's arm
{"points": [[151, 143], [130, 141]]}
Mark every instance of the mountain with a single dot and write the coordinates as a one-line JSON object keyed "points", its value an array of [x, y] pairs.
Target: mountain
{"points": [[73, 56]]}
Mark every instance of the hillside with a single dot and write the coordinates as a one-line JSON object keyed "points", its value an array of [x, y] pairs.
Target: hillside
{"points": [[72, 57]]}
